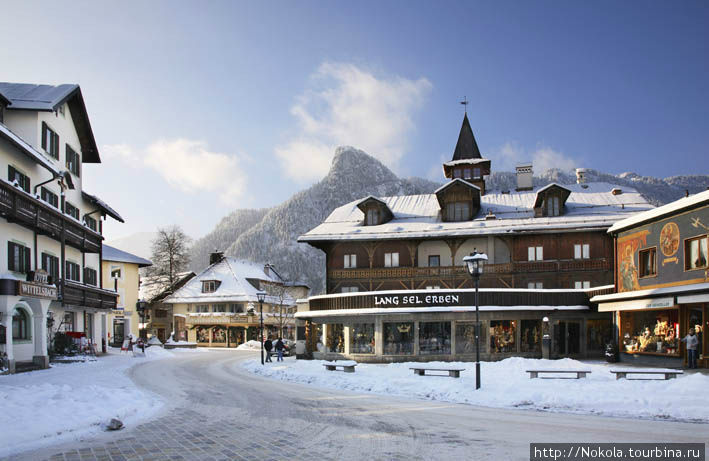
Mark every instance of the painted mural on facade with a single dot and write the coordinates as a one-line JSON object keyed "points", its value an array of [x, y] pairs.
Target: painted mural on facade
{"points": [[628, 246]]}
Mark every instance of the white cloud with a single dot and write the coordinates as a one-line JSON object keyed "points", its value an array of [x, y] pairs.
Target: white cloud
{"points": [[543, 158], [350, 106], [188, 165]]}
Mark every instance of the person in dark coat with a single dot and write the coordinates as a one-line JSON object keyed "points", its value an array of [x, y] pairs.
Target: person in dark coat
{"points": [[279, 349], [268, 345]]}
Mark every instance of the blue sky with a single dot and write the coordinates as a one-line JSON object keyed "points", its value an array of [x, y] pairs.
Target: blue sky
{"points": [[204, 107]]}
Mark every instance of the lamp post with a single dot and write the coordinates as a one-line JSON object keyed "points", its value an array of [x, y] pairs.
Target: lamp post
{"points": [[140, 306], [474, 263], [261, 295]]}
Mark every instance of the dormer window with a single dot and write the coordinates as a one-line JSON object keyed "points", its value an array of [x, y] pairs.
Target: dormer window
{"points": [[458, 211], [552, 206], [372, 217], [210, 286], [466, 173], [477, 173], [457, 173]]}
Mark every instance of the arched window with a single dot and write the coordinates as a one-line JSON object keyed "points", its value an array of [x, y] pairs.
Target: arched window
{"points": [[21, 325]]}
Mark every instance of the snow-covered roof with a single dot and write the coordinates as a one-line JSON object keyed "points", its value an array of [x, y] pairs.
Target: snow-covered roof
{"points": [[28, 150], [664, 210], [110, 253], [234, 276], [418, 310], [589, 206], [652, 292], [467, 161], [153, 286], [102, 205]]}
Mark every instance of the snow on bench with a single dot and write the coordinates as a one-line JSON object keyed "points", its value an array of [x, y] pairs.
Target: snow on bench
{"points": [[669, 373], [348, 366], [452, 372], [535, 373]]}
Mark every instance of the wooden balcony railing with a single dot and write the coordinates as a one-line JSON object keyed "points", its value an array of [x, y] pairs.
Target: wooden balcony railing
{"points": [[17, 206], [80, 295], [425, 273]]}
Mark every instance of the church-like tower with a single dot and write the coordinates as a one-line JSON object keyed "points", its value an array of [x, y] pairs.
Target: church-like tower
{"points": [[467, 163]]}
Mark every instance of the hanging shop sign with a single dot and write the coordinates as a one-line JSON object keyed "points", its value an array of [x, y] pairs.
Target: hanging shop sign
{"points": [[36, 290]]}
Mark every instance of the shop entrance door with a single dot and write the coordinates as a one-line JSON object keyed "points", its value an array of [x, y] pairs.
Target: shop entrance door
{"points": [[161, 335], [118, 332], [567, 338]]}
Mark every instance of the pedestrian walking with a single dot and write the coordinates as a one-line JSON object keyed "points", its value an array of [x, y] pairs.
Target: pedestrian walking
{"points": [[268, 345], [279, 350], [692, 343]]}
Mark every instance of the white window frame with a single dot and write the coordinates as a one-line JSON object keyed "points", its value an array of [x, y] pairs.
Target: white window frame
{"points": [[535, 253], [582, 285], [350, 261], [535, 285], [350, 289], [582, 251], [391, 259]]}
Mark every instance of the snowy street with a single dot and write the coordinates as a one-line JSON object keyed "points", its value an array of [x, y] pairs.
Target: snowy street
{"points": [[216, 409]]}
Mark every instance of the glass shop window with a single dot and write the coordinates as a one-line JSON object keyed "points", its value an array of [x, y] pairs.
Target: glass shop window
{"points": [[335, 341], [399, 338], [502, 336], [653, 332], [362, 338], [465, 337], [531, 340], [599, 332], [434, 338]]}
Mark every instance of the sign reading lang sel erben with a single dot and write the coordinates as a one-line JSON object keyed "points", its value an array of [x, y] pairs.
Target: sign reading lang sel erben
{"points": [[413, 300]]}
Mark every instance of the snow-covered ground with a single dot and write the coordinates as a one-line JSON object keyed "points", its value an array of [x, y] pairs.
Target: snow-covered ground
{"points": [[251, 345], [506, 384], [69, 401]]}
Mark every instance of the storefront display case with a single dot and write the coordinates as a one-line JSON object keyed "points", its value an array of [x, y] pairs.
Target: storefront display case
{"points": [[465, 337], [652, 332], [435, 338], [503, 334], [362, 338], [399, 338]]}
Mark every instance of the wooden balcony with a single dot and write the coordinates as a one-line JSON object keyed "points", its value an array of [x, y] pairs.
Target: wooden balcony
{"points": [[454, 272], [76, 294], [18, 207]]}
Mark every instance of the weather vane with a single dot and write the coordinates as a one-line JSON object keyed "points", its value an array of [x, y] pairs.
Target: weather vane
{"points": [[464, 102]]}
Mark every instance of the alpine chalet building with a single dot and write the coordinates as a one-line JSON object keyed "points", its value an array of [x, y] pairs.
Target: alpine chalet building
{"points": [[50, 228], [397, 288]]}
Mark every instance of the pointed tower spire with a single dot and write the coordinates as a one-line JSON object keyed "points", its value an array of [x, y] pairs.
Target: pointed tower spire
{"points": [[467, 163], [466, 147]]}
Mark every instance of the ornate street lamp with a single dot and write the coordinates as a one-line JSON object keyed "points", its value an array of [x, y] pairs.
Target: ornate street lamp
{"points": [[261, 295], [141, 306], [474, 263]]}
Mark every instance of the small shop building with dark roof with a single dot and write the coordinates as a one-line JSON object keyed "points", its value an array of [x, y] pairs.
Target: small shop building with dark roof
{"points": [[397, 288]]}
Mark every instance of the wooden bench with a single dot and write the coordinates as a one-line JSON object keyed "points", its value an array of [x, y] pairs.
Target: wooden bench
{"points": [[347, 367], [667, 372], [579, 373], [452, 372]]}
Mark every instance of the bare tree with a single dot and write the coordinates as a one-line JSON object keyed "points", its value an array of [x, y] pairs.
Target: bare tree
{"points": [[170, 254]]}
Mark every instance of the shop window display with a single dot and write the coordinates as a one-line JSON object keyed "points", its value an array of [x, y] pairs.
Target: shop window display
{"points": [[598, 333], [434, 338], [362, 338], [465, 337], [399, 338], [219, 335], [335, 341], [502, 336], [202, 335], [650, 332], [531, 340]]}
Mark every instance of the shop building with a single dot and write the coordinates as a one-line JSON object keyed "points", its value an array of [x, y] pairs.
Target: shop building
{"points": [[219, 307], [542, 243], [121, 273], [50, 253], [661, 282]]}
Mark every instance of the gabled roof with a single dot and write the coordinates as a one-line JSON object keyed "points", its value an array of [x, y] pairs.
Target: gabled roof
{"points": [[593, 207], [699, 199], [109, 253], [155, 287], [459, 182], [542, 192], [236, 277], [382, 204], [466, 147], [48, 98], [103, 206], [28, 150]]}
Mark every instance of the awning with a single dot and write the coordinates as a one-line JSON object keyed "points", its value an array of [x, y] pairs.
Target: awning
{"points": [[637, 304]]}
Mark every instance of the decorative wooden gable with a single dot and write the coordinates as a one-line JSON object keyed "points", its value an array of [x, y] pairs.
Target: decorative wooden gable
{"points": [[375, 210], [550, 200], [459, 200]]}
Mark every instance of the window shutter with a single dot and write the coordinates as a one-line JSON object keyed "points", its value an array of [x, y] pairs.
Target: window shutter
{"points": [[27, 259], [56, 145], [10, 173], [10, 256], [44, 136]]}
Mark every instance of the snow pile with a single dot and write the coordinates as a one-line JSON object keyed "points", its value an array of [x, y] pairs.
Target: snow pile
{"points": [[249, 346], [154, 341], [506, 384], [69, 401]]}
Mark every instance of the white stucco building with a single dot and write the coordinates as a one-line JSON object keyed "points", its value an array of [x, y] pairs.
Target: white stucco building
{"points": [[50, 228]]}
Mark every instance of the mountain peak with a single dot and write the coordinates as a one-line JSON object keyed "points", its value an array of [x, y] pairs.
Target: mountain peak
{"points": [[352, 162]]}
